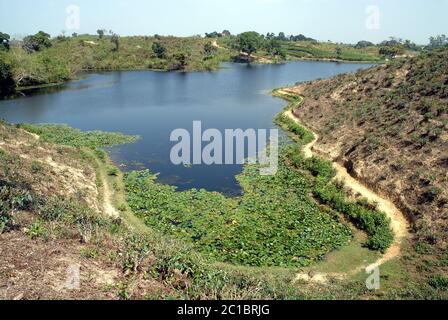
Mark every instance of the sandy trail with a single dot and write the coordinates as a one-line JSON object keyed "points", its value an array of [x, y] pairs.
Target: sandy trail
{"points": [[399, 224], [108, 206]]}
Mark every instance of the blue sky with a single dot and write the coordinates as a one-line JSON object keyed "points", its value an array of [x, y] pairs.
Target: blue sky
{"points": [[336, 20]]}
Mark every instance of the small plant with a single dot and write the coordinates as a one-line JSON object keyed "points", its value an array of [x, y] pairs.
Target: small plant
{"points": [[123, 291], [36, 167], [438, 282], [38, 230], [112, 171], [89, 253]]}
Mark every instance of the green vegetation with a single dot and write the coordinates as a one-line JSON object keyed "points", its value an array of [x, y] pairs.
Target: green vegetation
{"points": [[61, 134], [375, 223], [4, 41], [7, 83], [248, 42], [37, 42], [274, 223], [328, 51]]}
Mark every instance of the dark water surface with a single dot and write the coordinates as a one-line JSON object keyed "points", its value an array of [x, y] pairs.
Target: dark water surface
{"points": [[152, 104]]}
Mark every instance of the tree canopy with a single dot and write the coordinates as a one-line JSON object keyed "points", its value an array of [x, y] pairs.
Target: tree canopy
{"points": [[6, 79], [159, 50], [4, 41], [363, 44], [438, 41], [36, 42], [209, 50], [248, 42]]}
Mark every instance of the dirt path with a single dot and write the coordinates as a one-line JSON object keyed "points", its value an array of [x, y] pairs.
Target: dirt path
{"points": [[108, 206], [399, 224]]}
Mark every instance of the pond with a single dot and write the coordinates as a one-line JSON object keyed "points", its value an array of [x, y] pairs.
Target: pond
{"points": [[153, 104]]}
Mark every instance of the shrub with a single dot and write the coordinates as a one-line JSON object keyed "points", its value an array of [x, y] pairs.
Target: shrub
{"points": [[37, 230], [7, 83], [112, 171], [439, 282], [375, 223]]}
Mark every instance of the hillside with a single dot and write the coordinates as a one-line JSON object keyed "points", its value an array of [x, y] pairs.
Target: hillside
{"points": [[388, 126], [62, 205], [67, 56]]}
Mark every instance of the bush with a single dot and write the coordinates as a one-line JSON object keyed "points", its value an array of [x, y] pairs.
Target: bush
{"points": [[439, 282], [7, 83], [112, 171], [375, 223]]}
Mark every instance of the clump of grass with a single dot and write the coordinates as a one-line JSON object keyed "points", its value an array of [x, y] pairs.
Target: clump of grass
{"points": [[112, 171]]}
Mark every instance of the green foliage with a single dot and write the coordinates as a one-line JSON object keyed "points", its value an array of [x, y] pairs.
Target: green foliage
{"points": [[274, 48], [100, 33], [36, 167], [390, 52], [248, 42], [159, 50], [192, 276], [274, 223], [115, 39], [318, 50], [364, 44], [375, 223], [298, 132], [438, 42], [7, 83], [179, 61], [4, 41], [112, 171], [439, 282], [61, 134], [209, 50], [38, 230], [37, 42]]}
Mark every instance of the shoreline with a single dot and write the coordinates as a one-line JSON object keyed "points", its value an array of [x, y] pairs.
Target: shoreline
{"points": [[93, 71]]}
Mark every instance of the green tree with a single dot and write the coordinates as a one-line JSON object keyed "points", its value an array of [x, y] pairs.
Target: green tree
{"points": [[7, 83], [100, 33], [209, 50], [179, 61], [248, 42], [4, 41], [438, 41], [282, 36], [36, 42], [338, 52], [159, 50], [115, 39], [390, 52], [274, 48], [363, 44]]}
